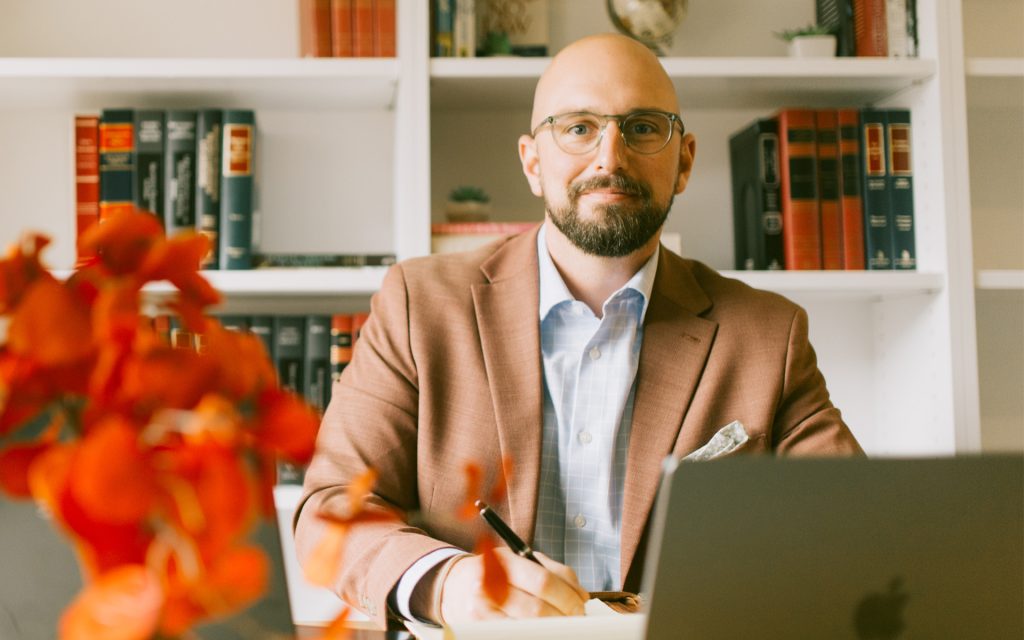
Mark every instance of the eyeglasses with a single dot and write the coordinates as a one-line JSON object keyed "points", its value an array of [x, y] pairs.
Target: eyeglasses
{"points": [[580, 132]]}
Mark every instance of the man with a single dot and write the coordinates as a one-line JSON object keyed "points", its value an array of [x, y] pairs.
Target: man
{"points": [[583, 351]]}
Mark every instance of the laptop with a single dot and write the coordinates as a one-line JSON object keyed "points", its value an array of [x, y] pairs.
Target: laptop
{"points": [[838, 548]]}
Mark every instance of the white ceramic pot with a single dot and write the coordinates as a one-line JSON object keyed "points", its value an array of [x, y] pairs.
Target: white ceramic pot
{"points": [[823, 46]]}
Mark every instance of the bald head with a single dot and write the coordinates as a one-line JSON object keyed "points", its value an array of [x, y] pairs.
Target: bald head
{"points": [[606, 73]]}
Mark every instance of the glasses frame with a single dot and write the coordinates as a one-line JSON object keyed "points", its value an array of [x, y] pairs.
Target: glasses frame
{"points": [[618, 118]]}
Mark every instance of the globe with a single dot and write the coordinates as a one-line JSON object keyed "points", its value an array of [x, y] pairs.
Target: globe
{"points": [[652, 22]]}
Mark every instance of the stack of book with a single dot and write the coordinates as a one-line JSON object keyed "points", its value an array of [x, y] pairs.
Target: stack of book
{"points": [[193, 169], [347, 28], [450, 237], [886, 28], [824, 189]]}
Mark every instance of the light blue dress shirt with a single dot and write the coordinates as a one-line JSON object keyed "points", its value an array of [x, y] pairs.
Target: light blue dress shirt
{"points": [[590, 367]]}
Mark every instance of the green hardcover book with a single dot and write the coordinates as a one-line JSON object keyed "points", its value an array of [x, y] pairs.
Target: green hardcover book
{"points": [[149, 154], [289, 351], [180, 168], [877, 230], [900, 178], [316, 364], [236, 197], [263, 328], [208, 135], [234, 322], [117, 161], [757, 220], [341, 343]]}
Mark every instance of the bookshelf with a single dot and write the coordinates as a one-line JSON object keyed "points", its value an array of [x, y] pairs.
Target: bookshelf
{"points": [[357, 155], [994, 79]]}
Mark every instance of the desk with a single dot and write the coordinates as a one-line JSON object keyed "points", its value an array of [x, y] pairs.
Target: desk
{"points": [[360, 631]]}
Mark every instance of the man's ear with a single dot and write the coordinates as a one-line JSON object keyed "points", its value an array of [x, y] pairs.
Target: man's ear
{"points": [[531, 163], [687, 151]]}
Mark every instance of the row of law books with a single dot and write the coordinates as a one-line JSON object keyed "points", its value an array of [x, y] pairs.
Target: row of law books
{"points": [[824, 189], [886, 28], [192, 169], [347, 28], [468, 28], [309, 353]]}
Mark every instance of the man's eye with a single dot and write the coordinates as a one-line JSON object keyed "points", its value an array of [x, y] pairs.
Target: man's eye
{"points": [[643, 127], [580, 129]]}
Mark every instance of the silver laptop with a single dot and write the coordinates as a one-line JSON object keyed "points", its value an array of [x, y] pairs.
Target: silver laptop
{"points": [[840, 548]]}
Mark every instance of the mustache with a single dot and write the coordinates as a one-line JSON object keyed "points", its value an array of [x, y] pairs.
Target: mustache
{"points": [[625, 184]]}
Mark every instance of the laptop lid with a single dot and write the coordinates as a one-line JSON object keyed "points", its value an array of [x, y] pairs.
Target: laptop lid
{"points": [[838, 548]]}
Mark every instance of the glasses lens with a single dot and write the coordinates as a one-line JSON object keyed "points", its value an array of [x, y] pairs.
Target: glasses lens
{"points": [[647, 131], [577, 132]]}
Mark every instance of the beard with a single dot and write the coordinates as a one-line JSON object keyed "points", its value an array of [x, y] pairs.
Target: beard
{"points": [[620, 229]]}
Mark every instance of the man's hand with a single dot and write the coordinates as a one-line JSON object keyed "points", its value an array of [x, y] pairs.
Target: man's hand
{"points": [[535, 590]]}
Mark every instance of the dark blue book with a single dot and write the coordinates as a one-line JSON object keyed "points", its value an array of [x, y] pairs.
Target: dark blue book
{"points": [[180, 168], [900, 178], [878, 246], [117, 161], [149, 154], [316, 363], [208, 159], [757, 219], [236, 198]]}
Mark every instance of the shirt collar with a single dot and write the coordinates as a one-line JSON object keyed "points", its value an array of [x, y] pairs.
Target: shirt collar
{"points": [[554, 291]]}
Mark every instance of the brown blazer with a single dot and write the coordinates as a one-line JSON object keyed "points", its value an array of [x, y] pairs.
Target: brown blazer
{"points": [[448, 370]]}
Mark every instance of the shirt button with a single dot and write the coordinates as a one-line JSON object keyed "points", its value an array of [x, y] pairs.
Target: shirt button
{"points": [[595, 353], [579, 521], [585, 437]]}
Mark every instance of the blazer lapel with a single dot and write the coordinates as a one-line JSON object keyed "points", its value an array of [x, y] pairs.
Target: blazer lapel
{"points": [[676, 344], [507, 319]]}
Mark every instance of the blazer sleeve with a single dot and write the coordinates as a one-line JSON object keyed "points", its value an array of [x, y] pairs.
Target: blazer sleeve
{"points": [[806, 422], [371, 422]]}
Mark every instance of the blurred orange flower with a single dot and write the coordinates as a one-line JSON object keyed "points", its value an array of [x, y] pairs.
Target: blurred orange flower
{"points": [[156, 462]]}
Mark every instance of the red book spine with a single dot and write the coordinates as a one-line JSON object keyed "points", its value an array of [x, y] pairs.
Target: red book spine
{"points": [[87, 180], [828, 190], [801, 230], [384, 28], [851, 205], [362, 28], [315, 28], [870, 31], [341, 28]]}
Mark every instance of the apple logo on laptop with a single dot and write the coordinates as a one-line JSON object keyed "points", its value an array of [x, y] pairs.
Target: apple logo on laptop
{"points": [[879, 616]]}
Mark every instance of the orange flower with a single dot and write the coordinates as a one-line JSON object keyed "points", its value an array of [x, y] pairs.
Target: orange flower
{"points": [[20, 268], [123, 241], [111, 477], [286, 425], [123, 604], [50, 325], [495, 577], [14, 465]]}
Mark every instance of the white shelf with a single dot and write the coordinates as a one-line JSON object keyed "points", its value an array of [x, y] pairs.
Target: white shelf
{"points": [[705, 82], [94, 83], [995, 82], [846, 285], [1000, 279], [995, 67]]}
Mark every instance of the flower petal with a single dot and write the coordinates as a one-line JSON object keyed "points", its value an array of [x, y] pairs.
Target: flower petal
{"points": [[122, 604]]}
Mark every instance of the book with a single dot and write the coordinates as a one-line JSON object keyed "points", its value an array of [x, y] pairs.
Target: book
{"points": [[449, 237], [180, 338], [829, 213], [149, 162], [444, 27], [912, 42], [234, 322], [341, 343], [896, 28], [271, 260], [289, 351], [900, 183], [851, 208], [180, 168], [384, 29], [314, 28], [757, 220], [87, 181], [117, 161], [801, 229], [464, 29], [208, 139], [316, 362], [362, 29], [263, 328], [236, 195], [875, 193], [838, 15], [870, 30], [341, 28]]}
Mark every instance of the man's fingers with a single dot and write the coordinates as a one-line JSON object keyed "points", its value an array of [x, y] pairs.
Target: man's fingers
{"points": [[564, 572], [560, 590], [520, 604]]}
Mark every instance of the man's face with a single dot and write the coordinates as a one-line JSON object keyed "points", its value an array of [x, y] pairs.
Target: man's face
{"points": [[612, 200]]}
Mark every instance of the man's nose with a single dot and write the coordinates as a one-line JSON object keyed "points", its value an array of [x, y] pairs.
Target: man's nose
{"points": [[611, 149]]}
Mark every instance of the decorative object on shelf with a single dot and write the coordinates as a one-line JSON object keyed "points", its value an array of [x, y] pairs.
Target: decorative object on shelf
{"points": [[652, 22], [468, 204], [154, 461], [525, 22], [496, 43], [810, 41]]}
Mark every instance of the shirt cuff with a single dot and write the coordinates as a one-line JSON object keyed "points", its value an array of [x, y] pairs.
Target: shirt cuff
{"points": [[401, 594]]}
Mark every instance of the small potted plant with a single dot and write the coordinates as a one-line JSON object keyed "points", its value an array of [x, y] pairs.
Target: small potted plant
{"points": [[810, 41], [468, 204]]}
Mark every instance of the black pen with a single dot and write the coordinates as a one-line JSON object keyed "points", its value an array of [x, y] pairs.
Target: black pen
{"points": [[505, 532]]}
